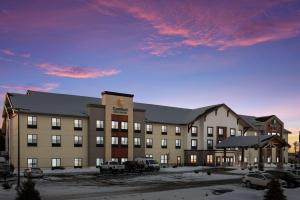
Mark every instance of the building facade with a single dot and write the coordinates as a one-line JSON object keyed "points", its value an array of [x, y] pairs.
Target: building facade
{"points": [[61, 131]]}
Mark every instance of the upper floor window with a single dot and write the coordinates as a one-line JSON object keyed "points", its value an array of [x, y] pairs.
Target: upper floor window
{"points": [[177, 130], [32, 162], [99, 125], [232, 132], [55, 122], [56, 140], [163, 129], [239, 133], [193, 144], [124, 126], [114, 140], [149, 128], [194, 130], [149, 142], [31, 122], [177, 143], [164, 143], [114, 125], [137, 127], [77, 141], [210, 144], [220, 131], [99, 141], [32, 140], [78, 124], [137, 142], [210, 131], [124, 141]]}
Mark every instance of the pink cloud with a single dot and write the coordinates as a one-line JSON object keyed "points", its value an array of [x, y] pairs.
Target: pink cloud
{"points": [[8, 52], [77, 71], [26, 55], [44, 87], [214, 24]]}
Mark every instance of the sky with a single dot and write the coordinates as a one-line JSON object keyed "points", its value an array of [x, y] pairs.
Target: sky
{"points": [[186, 53]]}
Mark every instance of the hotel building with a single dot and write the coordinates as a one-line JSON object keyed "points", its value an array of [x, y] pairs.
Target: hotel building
{"points": [[59, 130]]}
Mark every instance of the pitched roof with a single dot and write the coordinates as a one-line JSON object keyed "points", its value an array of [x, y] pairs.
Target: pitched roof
{"points": [[64, 104]]}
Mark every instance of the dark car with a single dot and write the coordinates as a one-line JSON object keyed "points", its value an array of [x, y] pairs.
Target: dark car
{"points": [[291, 179]]}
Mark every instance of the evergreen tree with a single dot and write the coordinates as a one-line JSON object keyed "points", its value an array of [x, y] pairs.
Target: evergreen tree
{"points": [[274, 192], [27, 191]]}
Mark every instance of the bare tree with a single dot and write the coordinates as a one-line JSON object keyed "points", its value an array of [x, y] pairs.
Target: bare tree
{"points": [[295, 144]]}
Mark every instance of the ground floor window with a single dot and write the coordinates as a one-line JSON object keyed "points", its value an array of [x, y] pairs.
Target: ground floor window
{"points": [[32, 162], [209, 159], [99, 161], [164, 159], [193, 159], [277, 159], [178, 160], [77, 162], [255, 159], [269, 159], [123, 160], [56, 162], [149, 156]]}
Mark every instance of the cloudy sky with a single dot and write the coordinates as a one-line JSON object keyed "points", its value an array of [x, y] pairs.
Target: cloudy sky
{"points": [[180, 53]]}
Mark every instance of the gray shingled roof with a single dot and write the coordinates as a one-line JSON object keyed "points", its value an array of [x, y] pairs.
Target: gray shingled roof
{"points": [[243, 141], [63, 104]]}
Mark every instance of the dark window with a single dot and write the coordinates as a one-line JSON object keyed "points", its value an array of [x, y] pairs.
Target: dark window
{"points": [[210, 144], [32, 140], [31, 122]]}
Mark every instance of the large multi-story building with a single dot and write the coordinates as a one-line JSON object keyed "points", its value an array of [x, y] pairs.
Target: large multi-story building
{"points": [[59, 130]]}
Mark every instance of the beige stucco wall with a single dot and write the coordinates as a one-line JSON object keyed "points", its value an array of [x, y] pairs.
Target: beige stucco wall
{"points": [[171, 137], [44, 150]]}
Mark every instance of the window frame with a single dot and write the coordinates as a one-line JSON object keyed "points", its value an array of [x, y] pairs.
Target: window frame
{"points": [[114, 125], [193, 159], [209, 147], [124, 126], [164, 145], [116, 140], [164, 159], [193, 147], [56, 166], [137, 127], [101, 141], [164, 129], [56, 144], [33, 123], [101, 125], [34, 141], [212, 131], [178, 130], [149, 145], [124, 141], [36, 163], [194, 134], [79, 163], [177, 145], [234, 132], [79, 141], [139, 143], [77, 124], [56, 125], [150, 130]]}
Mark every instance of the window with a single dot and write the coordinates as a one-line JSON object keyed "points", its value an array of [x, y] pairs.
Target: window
{"points": [[149, 128], [255, 159], [32, 162], [219, 141], [177, 130], [114, 140], [77, 124], [123, 160], [78, 163], [177, 143], [77, 141], [31, 122], [210, 131], [239, 133], [56, 163], [193, 144], [55, 122], [164, 159], [194, 130], [137, 127], [32, 140], [99, 125], [99, 162], [56, 140], [232, 132], [210, 144], [209, 159], [220, 131], [99, 141], [114, 125], [149, 156], [164, 130], [124, 141], [149, 142], [269, 159], [137, 142], [124, 126], [164, 143], [193, 159]]}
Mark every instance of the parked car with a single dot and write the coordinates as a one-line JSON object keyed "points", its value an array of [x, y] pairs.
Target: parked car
{"points": [[133, 166], [33, 172], [112, 166], [258, 179], [149, 164], [291, 179]]}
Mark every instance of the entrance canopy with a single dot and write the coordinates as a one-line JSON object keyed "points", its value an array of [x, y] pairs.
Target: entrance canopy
{"points": [[252, 142]]}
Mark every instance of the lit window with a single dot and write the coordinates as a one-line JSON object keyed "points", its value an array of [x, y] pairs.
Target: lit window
{"points": [[163, 129], [77, 141], [123, 160], [177, 143], [149, 142], [255, 159], [32, 162], [149, 156], [210, 131], [77, 124], [239, 133], [99, 162], [164, 143], [78, 163], [269, 159], [194, 144], [193, 159], [137, 127], [99, 124], [137, 142], [209, 159], [114, 125], [55, 123], [177, 130], [220, 131], [149, 128], [56, 140], [232, 132], [56, 162], [31, 122], [164, 159], [114, 141], [99, 141], [124, 141], [32, 140], [124, 125], [194, 130]]}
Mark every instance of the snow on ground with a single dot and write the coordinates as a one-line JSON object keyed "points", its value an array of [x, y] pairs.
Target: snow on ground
{"points": [[182, 169]]}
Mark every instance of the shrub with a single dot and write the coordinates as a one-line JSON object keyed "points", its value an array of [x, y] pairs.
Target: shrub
{"points": [[274, 192], [27, 191], [208, 172]]}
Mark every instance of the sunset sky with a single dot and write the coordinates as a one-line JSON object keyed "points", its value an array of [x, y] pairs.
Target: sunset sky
{"points": [[180, 53]]}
